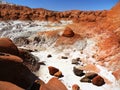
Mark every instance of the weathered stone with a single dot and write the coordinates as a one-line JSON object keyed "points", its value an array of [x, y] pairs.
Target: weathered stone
{"points": [[98, 81], [49, 55], [9, 57], [78, 72], [52, 70], [68, 32], [85, 79], [90, 75], [31, 61], [7, 46], [58, 74], [16, 73], [53, 84], [76, 61], [64, 57], [75, 87], [9, 86]]}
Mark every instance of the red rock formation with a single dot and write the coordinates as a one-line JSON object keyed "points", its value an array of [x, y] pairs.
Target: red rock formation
{"points": [[7, 46], [68, 32], [14, 12], [52, 70], [90, 67], [98, 81], [117, 74], [8, 57], [53, 84], [58, 74], [75, 87], [9, 86]]}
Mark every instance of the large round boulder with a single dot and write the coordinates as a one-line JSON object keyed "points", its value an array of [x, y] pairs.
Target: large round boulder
{"points": [[68, 32], [98, 81], [7, 46], [16, 73], [9, 86], [9, 57], [53, 84]]}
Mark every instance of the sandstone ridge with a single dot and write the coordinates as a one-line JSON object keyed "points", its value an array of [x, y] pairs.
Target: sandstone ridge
{"points": [[14, 12]]}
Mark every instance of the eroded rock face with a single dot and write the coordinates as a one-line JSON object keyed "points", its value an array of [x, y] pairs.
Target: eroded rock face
{"points": [[14, 12]]}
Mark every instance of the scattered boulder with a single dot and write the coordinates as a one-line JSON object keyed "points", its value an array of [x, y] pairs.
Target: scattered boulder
{"points": [[49, 55], [78, 72], [90, 75], [64, 57], [7, 46], [75, 87], [53, 84], [85, 79], [58, 74], [98, 81], [68, 32], [53, 70], [76, 61]]}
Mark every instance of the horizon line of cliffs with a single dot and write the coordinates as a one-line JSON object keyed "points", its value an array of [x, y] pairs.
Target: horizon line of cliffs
{"points": [[14, 12]]}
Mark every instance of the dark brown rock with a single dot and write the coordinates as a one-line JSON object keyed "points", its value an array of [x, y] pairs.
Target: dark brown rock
{"points": [[85, 79], [90, 75], [64, 57], [16, 73], [52, 70], [36, 85], [58, 74], [31, 61], [98, 81], [76, 61], [78, 72], [49, 55], [7, 46]]}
